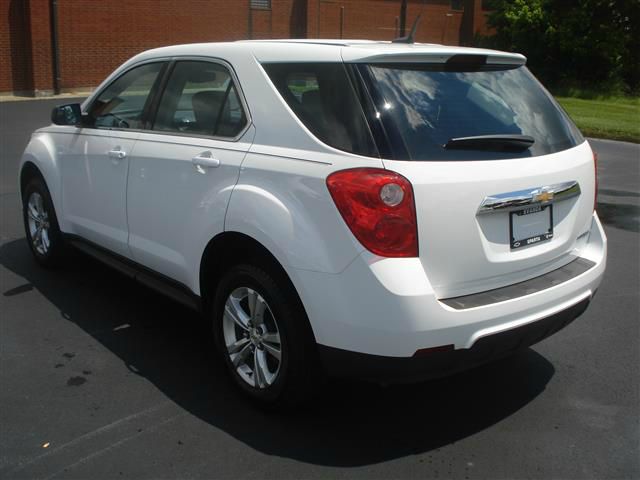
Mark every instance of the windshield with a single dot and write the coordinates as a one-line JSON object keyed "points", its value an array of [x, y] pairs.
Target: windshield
{"points": [[423, 107]]}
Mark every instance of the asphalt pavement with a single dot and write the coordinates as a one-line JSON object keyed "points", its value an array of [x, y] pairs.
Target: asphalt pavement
{"points": [[102, 378]]}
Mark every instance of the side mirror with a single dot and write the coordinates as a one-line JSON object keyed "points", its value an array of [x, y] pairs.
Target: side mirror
{"points": [[69, 114]]}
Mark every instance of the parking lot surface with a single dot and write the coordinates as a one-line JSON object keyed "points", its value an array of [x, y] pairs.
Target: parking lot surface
{"points": [[102, 378]]}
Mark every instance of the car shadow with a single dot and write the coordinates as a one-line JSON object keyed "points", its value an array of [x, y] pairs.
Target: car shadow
{"points": [[348, 424]]}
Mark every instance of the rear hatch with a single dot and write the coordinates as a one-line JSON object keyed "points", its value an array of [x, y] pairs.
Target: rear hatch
{"points": [[504, 183]]}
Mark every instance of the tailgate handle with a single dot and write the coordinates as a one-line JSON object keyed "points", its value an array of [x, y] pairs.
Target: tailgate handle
{"points": [[530, 196]]}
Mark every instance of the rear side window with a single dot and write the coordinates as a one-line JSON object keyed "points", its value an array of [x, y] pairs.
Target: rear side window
{"points": [[322, 97], [200, 98], [422, 107]]}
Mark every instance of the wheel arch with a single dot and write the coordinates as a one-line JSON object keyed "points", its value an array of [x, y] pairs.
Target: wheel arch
{"points": [[231, 248], [28, 171], [39, 159]]}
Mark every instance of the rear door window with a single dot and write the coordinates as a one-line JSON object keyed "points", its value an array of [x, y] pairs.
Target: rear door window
{"points": [[322, 97], [200, 98], [424, 106]]}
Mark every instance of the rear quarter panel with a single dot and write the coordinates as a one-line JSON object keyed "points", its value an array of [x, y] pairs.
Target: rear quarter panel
{"points": [[284, 204], [281, 198]]}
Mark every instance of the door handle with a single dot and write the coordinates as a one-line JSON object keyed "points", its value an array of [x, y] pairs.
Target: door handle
{"points": [[205, 160], [117, 153]]}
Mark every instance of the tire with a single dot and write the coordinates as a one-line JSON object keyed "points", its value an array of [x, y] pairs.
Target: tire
{"points": [[280, 338], [41, 224]]}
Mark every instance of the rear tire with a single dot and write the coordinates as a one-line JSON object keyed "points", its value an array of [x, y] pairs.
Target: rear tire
{"points": [[41, 224], [264, 338]]}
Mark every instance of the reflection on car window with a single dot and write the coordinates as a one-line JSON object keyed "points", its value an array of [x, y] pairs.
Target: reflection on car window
{"points": [[321, 96], [424, 106], [200, 98], [300, 83], [122, 103]]}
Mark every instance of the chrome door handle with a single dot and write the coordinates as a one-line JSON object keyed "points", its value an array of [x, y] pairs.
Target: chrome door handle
{"points": [[205, 160], [117, 153]]}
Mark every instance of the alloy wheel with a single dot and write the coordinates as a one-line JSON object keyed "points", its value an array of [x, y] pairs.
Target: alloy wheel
{"points": [[252, 337], [39, 226]]}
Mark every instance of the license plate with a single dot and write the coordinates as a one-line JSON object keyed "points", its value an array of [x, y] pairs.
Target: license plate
{"points": [[530, 226]]}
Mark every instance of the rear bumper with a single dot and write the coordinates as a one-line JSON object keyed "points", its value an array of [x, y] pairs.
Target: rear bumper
{"points": [[388, 308], [343, 363]]}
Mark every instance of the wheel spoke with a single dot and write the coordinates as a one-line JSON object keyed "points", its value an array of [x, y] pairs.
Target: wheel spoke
{"points": [[37, 239], [33, 215], [260, 370], [241, 357], [39, 205], [233, 309], [271, 338], [258, 310], [273, 351], [236, 346], [252, 298], [44, 237]]}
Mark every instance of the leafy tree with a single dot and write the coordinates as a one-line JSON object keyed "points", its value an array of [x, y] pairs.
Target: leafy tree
{"points": [[590, 44]]}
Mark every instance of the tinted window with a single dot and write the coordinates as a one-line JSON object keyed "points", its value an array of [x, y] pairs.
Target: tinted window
{"points": [[200, 98], [321, 96], [422, 107], [122, 103]]}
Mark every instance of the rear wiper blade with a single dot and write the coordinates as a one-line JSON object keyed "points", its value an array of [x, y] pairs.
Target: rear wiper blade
{"points": [[494, 143]]}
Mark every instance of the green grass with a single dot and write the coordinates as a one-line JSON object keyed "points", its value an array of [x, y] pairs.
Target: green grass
{"points": [[615, 118]]}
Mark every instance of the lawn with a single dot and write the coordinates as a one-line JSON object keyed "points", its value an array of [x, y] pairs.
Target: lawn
{"points": [[613, 118]]}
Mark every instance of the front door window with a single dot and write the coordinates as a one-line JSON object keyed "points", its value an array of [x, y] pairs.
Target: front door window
{"points": [[122, 104]]}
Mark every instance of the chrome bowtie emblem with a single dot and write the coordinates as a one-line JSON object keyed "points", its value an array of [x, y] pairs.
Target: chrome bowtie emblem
{"points": [[545, 194]]}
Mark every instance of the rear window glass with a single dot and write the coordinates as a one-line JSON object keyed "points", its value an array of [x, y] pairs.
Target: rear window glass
{"points": [[322, 97], [423, 107], [200, 98]]}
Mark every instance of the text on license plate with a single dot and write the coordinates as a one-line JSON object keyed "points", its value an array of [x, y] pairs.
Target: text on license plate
{"points": [[530, 225]]}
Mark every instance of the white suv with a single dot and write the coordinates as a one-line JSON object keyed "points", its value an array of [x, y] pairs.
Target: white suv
{"points": [[382, 210]]}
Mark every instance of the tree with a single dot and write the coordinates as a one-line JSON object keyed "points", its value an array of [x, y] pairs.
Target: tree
{"points": [[583, 43]]}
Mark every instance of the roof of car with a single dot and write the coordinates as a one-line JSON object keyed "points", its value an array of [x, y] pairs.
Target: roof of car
{"points": [[319, 50]]}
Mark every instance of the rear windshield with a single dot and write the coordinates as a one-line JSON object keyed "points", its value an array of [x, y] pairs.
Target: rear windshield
{"points": [[423, 107]]}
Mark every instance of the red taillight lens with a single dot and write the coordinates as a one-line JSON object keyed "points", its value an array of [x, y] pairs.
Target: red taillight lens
{"points": [[378, 206], [595, 167]]}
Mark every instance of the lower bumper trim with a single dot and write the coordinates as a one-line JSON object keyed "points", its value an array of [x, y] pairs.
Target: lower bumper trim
{"points": [[344, 363], [537, 284]]}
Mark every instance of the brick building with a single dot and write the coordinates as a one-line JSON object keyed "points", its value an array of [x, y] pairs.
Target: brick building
{"points": [[73, 44]]}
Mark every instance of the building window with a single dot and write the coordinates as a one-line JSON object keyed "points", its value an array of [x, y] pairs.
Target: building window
{"points": [[457, 5], [261, 4]]}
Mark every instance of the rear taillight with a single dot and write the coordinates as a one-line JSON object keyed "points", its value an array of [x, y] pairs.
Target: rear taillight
{"points": [[595, 168], [378, 206]]}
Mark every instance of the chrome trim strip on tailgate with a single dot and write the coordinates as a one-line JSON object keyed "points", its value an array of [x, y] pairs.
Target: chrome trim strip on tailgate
{"points": [[548, 280], [538, 195]]}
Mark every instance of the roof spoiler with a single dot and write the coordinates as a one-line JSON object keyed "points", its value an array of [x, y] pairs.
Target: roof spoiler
{"points": [[439, 55]]}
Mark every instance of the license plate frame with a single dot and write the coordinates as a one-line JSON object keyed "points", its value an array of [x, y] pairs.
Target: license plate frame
{"points": [[517, 227]]}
